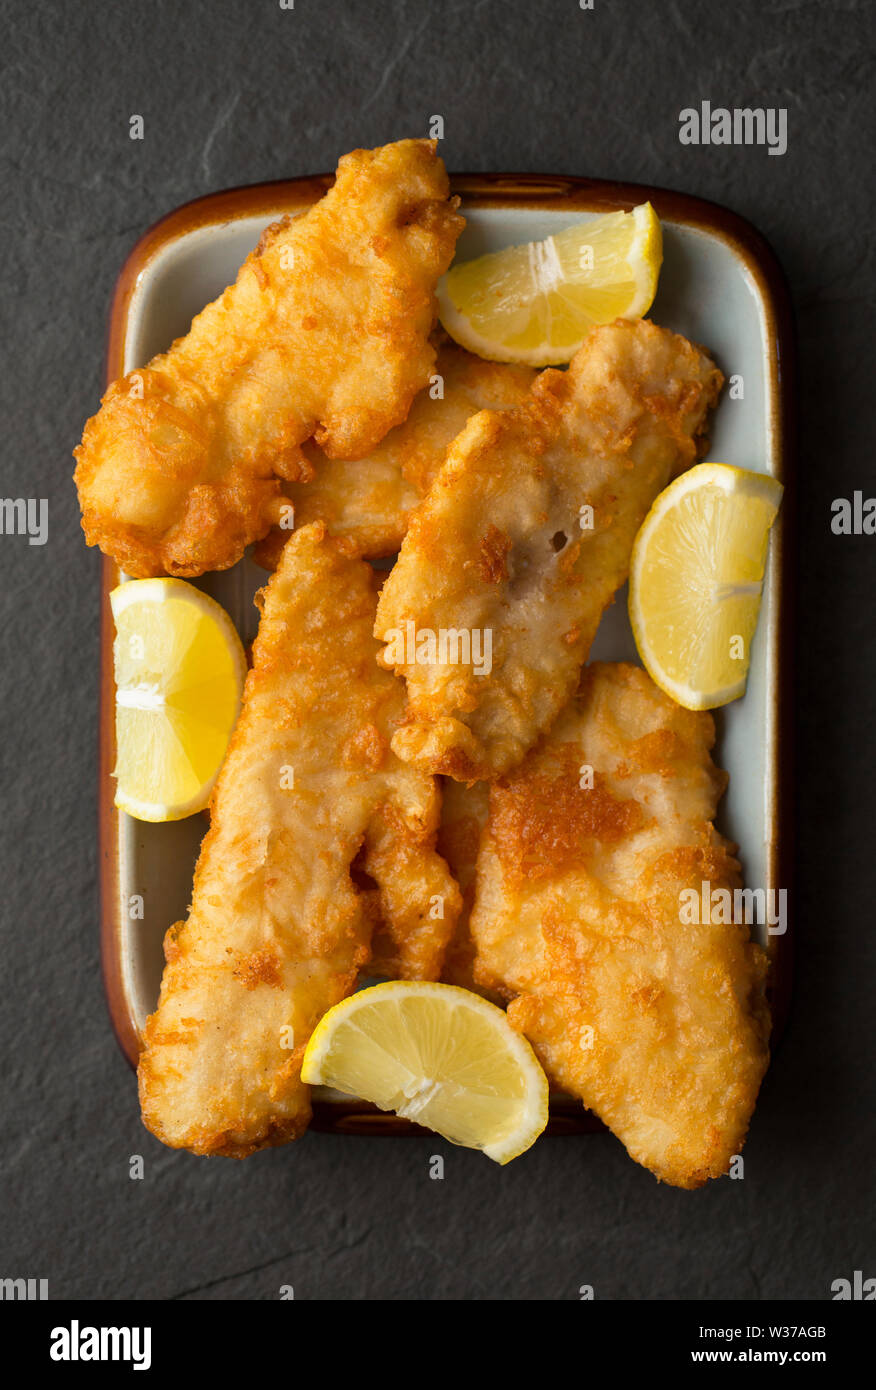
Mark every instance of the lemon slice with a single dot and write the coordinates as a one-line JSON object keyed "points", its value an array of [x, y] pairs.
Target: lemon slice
{"points": [[696, 579], [436, 1054], [537, 303], [180, 669]]}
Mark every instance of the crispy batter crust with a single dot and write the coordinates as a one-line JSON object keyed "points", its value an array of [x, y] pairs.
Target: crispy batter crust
{"points": [[541, 824], [526, 534], [324, 334], [370, 500], [659, 1025], [279, 928]]}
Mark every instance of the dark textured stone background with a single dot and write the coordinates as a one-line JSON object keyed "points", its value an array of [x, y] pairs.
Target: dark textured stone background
{"points": [[235, 92]]}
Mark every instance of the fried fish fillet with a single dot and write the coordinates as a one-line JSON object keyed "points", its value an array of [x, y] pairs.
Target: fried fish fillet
{"points": [[371, 499], [658, 1025], [278, 930], [325, 333], [464, 812], [525, 537]]}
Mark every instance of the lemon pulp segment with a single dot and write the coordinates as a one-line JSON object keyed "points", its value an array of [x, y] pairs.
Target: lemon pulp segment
{"points": [[179, 668], [696, 581], [536, 303], [439, 1055]]}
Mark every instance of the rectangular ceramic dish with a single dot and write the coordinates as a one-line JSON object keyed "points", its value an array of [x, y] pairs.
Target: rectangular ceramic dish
{"points": [[721, 286]]}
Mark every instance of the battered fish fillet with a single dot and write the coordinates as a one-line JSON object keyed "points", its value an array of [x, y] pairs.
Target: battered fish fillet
{"points": [[658, 1026], [464, 812], [278, 931], [525, 537], [371, 499], [325, 333]]}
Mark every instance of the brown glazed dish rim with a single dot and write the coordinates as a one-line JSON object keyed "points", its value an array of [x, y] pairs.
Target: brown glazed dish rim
{"points": [[533, 191]]}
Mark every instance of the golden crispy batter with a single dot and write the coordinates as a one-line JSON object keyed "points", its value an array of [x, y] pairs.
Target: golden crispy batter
{"points": [[370, 500], [277, 930], [658, 1026], [324, 333], [464, 812], [525, 537]]}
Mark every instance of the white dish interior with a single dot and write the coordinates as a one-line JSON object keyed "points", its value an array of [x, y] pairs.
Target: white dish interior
{"points": [[707, 293]]}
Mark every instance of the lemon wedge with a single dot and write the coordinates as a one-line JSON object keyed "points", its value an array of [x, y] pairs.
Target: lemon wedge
{"points": [[180, 668], [536, 303], [436, 1054], [696, 579]]}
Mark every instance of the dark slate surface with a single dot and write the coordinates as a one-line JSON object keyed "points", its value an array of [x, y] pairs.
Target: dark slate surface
{"points": [[237, 92]]}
